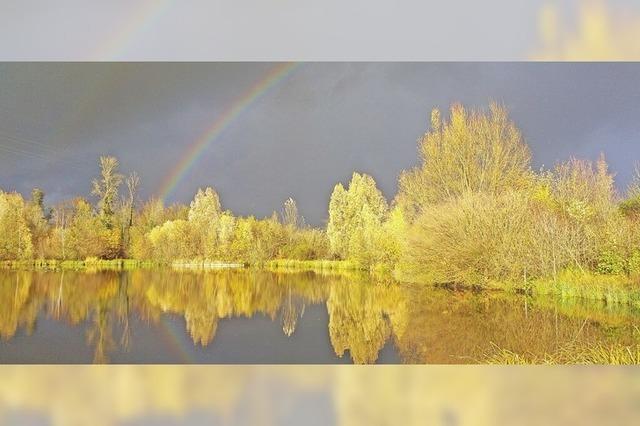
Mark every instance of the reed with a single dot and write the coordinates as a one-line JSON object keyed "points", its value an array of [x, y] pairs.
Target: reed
{"points": [[313, 265], [572, 353]]}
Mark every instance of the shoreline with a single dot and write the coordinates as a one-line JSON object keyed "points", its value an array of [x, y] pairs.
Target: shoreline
{"points": [[568, 285]]}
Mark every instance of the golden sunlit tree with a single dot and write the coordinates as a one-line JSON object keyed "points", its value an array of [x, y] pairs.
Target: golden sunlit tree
{"points": [[57, 241], [596, 235], [204, 215], [128, 213], [475, 151], [37, 221], [106, 188], [224, 237], [630, 206], [151, 214], [356, 215], [290, 215], [15, 237], [84, 234], [173, 240]]}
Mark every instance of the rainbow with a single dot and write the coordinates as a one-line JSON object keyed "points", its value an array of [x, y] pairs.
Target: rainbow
{"points": [[173, 338], [241, 104], [136, 23]]}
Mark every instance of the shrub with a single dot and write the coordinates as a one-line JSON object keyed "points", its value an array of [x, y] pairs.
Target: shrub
{"points": [[634, 263], [471, 240], [611, 263], [631, 208]]}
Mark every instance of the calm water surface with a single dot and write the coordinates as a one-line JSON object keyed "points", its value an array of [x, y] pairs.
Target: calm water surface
{"points": [[245, 316]]}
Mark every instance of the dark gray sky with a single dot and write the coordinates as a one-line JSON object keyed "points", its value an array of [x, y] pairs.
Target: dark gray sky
{"points": [[312, 130]]}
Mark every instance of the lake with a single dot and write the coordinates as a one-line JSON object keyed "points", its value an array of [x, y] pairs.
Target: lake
{"points": [[160, 316]]}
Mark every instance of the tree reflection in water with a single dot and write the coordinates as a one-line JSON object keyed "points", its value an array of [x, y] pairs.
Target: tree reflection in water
{"points": [[424, 325], [292, 309]]}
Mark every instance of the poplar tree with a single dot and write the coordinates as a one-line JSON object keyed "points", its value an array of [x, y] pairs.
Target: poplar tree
{"points": [[15, 237], [290, 215], [204, 215], [355, 218]]}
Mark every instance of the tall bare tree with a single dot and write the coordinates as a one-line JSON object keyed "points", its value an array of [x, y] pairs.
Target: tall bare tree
{"points": [[290, 215], [107, 188], [133, 182]]}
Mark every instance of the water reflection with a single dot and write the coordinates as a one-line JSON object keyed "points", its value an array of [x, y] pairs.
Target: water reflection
{"points": [[292, 309], [129, 317]]}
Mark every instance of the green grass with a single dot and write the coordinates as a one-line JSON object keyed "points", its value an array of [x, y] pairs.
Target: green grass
{"points": [[78, 265], [610, 289], [118, 264], [312, 265], [597, 353], [568, 285], [206, 264]]}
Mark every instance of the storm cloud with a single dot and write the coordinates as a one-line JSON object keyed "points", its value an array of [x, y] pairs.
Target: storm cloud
{"points": [[302, 136]]}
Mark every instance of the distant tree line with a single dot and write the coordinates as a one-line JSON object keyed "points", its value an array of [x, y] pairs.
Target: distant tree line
{"points": [[473, 210]]}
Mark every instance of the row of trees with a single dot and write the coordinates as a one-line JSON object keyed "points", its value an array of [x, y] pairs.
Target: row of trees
{"points": [[206, 231], [472, 210], [72, 229], [118, 227]]}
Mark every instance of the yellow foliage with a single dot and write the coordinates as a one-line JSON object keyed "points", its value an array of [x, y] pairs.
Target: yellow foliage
{"points": [[173, 240], [15, 237], [355, 219], [472, 152]]}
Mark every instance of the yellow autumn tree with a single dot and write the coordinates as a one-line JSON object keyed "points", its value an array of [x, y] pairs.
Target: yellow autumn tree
{"points": [[474, 151], [15, 237], [106, 188], [356, 216], [37, 221], [204, 215]]}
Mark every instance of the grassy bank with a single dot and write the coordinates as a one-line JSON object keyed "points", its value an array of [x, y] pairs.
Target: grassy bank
{"points": [[611, 290], [312, 265], [120, 264], [78, 265], [206, 264], [114, 264], [569, 284], [327, 265]]}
